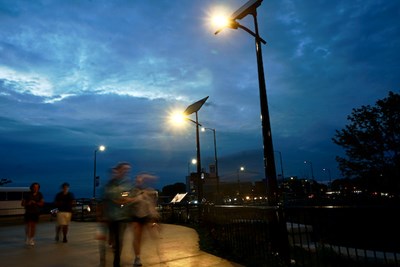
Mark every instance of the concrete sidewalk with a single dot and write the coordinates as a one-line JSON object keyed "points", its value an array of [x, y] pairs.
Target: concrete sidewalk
{"points": [[172, 246]]}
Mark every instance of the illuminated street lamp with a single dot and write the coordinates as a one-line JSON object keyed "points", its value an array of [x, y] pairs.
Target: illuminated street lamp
{"points": [[193, 162], [194, 108], [241, 169], [250, 8], [312, 169], [280, 159], [329, 175], [95, 178]]}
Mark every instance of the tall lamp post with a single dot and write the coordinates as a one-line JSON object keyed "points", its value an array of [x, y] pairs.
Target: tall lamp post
{"points": [[283, 176], [100, 148], [189, 185], [312, 169], [241, 169], [329, 173], [280, 159], [194, 108], [215, 156], [250, 8], [192, 161]]}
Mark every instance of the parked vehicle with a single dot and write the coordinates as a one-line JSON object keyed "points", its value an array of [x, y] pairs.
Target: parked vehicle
{"points": [[84, 209], [10, 200]]}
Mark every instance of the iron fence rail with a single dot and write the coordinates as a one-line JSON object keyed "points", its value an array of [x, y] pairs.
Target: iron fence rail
{"points": [[296, 236]]}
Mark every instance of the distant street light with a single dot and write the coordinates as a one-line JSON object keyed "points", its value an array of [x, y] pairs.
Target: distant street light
{"points": [[283, 176], [193, 162], [280, 157], [269, 161], [312, 169], [215, 156], [241, 169], [194, 108], [100, 148], [329, 175]]}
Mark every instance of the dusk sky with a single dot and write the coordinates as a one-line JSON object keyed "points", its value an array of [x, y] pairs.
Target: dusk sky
{"points": [[78, 74]]}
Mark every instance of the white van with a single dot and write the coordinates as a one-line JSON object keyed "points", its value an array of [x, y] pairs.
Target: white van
{"points": [[10, 200]]}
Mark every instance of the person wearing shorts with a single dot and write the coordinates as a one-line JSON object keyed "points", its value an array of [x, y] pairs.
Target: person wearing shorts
{"points": [[143, 212], [64, 202]]}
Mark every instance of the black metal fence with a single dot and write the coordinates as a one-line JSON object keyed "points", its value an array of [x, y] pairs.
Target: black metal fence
{"points": [[295, 236]]}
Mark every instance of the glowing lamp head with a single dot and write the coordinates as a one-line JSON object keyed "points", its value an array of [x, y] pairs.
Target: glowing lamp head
{"points": [[177, 118], [220, 21]]}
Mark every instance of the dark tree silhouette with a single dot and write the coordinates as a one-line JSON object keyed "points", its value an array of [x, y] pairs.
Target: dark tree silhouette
{"points": [[372, 145], [172, 190], [4, 181]]}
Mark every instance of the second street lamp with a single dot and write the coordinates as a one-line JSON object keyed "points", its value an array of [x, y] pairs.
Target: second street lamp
{"points": [[250, 8], [312, 169], [280, 159], [193, 162], [194, 108], [241, 169], [330, 178], [100, 148]]}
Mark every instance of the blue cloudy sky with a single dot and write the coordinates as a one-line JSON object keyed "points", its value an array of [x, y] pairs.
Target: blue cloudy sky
{"points": [[78, 74]]}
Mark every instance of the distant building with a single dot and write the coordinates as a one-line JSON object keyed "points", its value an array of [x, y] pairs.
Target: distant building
{"points": [[208, 184]]}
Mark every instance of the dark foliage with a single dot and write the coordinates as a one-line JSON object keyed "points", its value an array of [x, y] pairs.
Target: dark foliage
{"points": [[172, 190], [371, 142]]}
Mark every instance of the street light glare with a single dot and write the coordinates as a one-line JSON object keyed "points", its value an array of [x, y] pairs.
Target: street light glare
{"points": [[218, 16], [220, 21], [102, 148], [177, 117]]}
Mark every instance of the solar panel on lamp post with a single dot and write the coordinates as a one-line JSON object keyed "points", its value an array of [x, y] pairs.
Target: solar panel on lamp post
{"points": [[194, 108]]}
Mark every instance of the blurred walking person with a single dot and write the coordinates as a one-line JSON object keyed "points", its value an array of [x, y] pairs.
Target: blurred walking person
{"points": [[64, 202], [144, 213], [32, 202], [116, 209]]}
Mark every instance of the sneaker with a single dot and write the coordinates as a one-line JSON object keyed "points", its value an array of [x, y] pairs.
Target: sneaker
{"points": [[31, 242], [65, 240], [137, 262]]}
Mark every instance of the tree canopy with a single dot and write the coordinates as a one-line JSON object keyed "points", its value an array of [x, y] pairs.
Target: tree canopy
{"points": [[172, 190], [4, 181], [371, 142]]}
